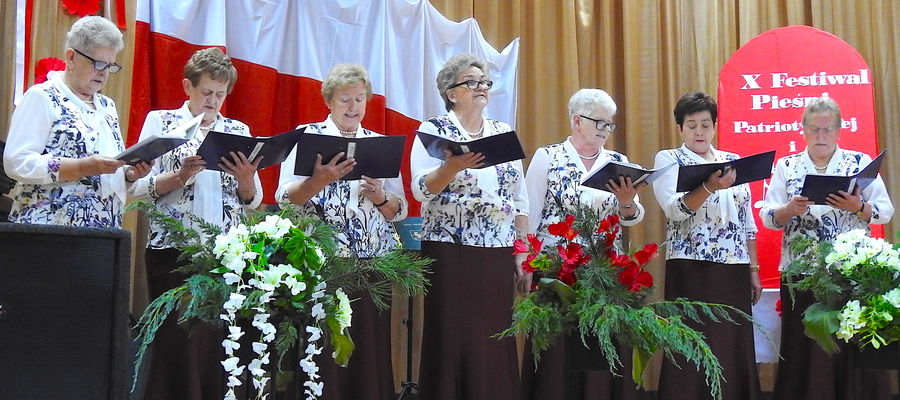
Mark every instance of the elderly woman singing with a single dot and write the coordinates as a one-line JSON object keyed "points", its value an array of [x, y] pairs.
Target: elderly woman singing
{"points": [[553, 180], [361, 211], [64, 136], [805, 371], [184, 366], [470, 218]]}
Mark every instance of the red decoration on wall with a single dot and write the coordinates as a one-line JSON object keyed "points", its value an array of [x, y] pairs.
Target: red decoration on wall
{"points": [[81, 7], [44, 66]]}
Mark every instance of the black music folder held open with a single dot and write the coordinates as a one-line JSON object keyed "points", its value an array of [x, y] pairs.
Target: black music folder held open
{"points": [[376, 156], [749, 169], [614, 169], [273, 149], [817, 187], [155, 145], [499, 148]]}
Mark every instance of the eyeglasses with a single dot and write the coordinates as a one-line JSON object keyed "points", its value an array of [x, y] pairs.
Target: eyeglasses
{"points": [[816, 129], [101, 65], [608, 126], [473, 84]]}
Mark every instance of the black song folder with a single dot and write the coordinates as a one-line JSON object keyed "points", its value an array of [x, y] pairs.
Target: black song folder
{"points": [[614, 169], [500, 148], [749, 169], [273, 149], [376, 156], [817, 187], [153, 146]]}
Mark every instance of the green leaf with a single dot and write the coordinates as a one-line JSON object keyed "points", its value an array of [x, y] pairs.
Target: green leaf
{"points": [[640, 360], [340, 341], [820, 324], [565, 292]]}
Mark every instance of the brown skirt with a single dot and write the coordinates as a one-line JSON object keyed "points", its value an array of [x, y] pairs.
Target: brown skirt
{"points": [[732, 344], [469, 301], [182, 366], [368, 375], [806, 372], [549, 380]]}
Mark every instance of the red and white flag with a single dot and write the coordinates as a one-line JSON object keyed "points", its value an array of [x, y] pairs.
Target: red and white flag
{"points": [[283, 50]]}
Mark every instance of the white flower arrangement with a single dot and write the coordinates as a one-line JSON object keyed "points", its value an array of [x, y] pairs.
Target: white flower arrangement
{"points": [[856, 281], [279, 272]]}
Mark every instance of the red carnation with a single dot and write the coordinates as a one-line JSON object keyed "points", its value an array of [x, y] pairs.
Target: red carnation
{"points": [[778, 307], [44, 66], [81, 7]]}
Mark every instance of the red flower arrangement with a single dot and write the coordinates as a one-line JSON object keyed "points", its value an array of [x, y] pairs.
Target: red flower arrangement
{"points": [[44, 66], [571, 255], [81, 7], [584, 287]]}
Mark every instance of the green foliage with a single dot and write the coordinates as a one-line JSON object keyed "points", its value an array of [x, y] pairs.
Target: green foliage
{"points": [[821, 323]]}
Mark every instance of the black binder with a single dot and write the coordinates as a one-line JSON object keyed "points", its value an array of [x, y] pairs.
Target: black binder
{"points": [[614, 169], [749, 169], [376, 156], [500, 148], [273, 149], [817, 187], [156, 145]]}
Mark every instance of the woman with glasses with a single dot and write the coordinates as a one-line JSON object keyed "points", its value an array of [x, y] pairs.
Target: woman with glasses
{"points": [[64, 137], [183, 365], [710, 254], [470, 218], [554, 189], [805, 370]]}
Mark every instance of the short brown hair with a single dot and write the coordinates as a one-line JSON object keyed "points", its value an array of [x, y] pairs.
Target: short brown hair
{"points": [[213, 62]]}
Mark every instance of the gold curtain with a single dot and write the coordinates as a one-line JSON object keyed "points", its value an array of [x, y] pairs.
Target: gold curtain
{"points": [[645, 53]]}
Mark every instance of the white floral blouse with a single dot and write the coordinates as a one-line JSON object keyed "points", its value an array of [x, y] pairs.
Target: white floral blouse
{"points": [[478, 207], [554, 178], [708, 233], [51, 123], [210, 195], [821, 221], [363, 231]]}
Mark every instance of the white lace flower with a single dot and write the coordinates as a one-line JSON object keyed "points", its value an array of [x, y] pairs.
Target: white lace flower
{"points": [[344, 313], [273, 227], [235, 301], [259, 348], [893, 297], [231, 278], [231, 364], [255, 368], [234, 381], [296, 286], [851, 320]]}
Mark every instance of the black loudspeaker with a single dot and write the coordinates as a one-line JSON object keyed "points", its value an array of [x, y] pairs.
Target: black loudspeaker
{"points": [[64, 294]]}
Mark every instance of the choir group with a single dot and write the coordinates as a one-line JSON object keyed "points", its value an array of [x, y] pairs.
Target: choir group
{"points": [[65, 134]]}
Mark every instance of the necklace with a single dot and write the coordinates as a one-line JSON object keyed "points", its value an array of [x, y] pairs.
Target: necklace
{"points": [[347, 134], [590, 157], [476, 135], [822, 168]]}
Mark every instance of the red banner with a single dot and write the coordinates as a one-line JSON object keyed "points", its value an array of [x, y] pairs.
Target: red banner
{"points": [[763, 89]]}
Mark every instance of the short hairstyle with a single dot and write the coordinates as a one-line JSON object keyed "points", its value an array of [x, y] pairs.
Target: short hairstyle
{"points": [[342, 75], [452, 68], [92, 31], [692, 103], [822, 104], [586, 101], [213, 62]]}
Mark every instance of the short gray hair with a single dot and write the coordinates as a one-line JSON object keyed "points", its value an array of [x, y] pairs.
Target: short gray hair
{"points": [[586, 101], [92, 31], [452, 68], [822, 104], [342, 75]]}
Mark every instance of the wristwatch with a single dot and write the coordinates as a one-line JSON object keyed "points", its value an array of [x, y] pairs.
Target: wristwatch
{"points": [[861, 213]]}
